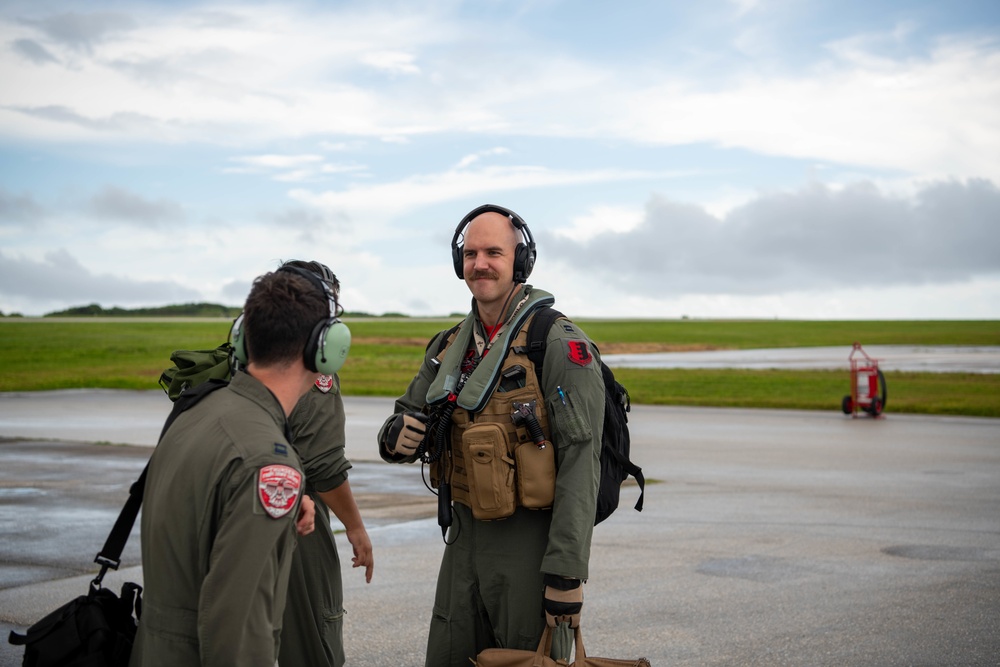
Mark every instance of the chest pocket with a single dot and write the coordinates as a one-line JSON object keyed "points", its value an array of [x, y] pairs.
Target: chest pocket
{"points": [[490, 471]]}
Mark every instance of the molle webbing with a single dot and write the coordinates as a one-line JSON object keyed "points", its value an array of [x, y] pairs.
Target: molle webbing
{"points": [[518, 384]]}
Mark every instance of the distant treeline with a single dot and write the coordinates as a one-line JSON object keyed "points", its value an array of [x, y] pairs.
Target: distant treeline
{"points": [[178, 310], [181, 310]]}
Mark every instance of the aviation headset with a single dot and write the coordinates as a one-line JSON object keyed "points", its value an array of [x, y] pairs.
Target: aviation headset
{"points": [[524, 253], [330, 340]]}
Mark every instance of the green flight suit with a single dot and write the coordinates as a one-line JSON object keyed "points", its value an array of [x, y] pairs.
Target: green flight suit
{"points": [[218, 533], [313, 629], [490, 588]]}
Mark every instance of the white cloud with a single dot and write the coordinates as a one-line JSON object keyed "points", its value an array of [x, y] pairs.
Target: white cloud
{"points": [[278, 161], [602, 220], [291, 168], [811, 239], [744, 6], [393, 62], [380, 201], [469, 160], [934, 116], [933, 113]]}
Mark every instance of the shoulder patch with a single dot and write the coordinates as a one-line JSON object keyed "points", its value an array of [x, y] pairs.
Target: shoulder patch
{"points": [[579, 352], [278, 487], [324, 383]]}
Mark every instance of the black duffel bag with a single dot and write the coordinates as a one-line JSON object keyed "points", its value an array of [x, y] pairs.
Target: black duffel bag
{"points": [[93, 630]]}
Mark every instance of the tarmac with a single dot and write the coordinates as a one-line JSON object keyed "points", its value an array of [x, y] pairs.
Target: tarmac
{"points": [[904, 358], [767, 537]]}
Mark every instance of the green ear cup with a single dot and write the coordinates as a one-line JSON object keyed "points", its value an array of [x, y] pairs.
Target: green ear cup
{"points": [[238, 340], [333, 347]]}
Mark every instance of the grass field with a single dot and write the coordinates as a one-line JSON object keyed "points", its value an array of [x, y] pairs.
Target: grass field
{"points": [[42, 354]]}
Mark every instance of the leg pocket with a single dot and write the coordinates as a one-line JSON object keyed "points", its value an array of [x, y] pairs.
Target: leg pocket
{"points": [[439, 640], [333, 637]]}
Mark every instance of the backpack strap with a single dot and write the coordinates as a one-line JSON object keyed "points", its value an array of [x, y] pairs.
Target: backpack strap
{"points": [[443, 340], [538, 333], [635, 471], [110, 554]]}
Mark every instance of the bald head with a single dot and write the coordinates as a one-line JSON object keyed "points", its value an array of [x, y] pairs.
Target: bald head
{"points": [[497, 225]]}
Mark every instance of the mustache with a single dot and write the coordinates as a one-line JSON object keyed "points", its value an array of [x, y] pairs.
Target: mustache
{"points": [[484, 275]]}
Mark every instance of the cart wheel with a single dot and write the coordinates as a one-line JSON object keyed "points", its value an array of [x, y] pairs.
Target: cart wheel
{"points": [[847, 405], [885, 393], [875, 407]]}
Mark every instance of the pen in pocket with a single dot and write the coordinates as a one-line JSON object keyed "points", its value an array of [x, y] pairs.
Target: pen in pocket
{"points": [[562, 396]]}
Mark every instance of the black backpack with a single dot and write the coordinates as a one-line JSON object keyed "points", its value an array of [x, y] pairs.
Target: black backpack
{"points": [[615, 442]]}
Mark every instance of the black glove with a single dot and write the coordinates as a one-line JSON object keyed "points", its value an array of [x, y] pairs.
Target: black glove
{"points": [[406, 433], [563, 600]]}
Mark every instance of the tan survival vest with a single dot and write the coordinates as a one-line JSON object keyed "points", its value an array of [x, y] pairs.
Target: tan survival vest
{"points": [[492, 464]]}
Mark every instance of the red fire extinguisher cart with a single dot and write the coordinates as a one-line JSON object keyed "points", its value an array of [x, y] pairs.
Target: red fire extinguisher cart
{"points": [[868, 392]]}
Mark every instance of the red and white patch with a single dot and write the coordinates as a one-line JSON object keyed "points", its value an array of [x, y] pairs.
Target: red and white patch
{"points": [[278, 489], [324, 383], [579, 352]]}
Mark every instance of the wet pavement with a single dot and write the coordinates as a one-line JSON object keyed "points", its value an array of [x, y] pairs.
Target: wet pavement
{"points": [[909, 358], [767, 538]]}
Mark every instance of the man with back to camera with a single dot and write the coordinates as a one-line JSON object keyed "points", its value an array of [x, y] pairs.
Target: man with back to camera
{"points": [[520, 524], [223, 490], [312, 633]]}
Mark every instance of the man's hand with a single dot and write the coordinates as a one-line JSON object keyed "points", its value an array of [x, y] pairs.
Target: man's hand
{"points": [[362, 551], [563, 600], [408, 430], [306, 522]]}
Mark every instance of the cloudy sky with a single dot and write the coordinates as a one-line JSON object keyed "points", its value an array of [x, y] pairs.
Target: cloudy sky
{"points": [[742, 158]]}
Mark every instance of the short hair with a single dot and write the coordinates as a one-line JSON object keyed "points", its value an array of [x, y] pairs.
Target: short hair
{"points": [[280, 314]]}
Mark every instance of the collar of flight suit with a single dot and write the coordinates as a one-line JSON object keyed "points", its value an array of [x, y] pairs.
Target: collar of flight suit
{"points": [[477, 389], [253, 389]]}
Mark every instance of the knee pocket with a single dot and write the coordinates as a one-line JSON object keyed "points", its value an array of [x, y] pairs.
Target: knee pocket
{"points": [[333, 635]]}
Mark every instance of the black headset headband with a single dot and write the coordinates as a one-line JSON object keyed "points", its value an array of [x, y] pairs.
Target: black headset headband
{"points": [[524, 253], [317, 281]]}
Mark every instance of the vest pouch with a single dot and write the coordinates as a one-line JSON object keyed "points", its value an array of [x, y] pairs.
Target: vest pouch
{"points": [[536, 475], [490, 471]]}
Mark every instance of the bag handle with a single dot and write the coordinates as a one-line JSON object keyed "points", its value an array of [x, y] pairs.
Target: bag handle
{"points": [[580, 654], [544, 648], [110, 555]]}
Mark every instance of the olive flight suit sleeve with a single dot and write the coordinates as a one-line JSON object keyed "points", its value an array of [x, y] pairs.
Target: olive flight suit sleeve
{"points": [[574, 395], [317, 424], [243, 595]]}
